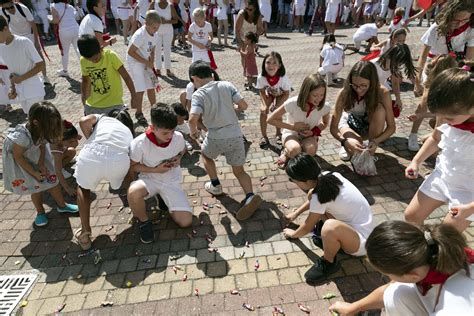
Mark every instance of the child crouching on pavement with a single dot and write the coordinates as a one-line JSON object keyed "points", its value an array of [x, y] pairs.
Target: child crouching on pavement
{"points": [[156, 156], [339, 215], [214, 102]]}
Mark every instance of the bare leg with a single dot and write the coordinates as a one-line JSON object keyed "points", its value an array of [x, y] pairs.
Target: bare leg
{"points": [[182, 218], [57, 196], [210, 167], [292, 146], [420, 207], [136, 199], [84, 204], [336, 235], [310, 145], [151, 96], [139, 102], [243, 178], [37, 199]]}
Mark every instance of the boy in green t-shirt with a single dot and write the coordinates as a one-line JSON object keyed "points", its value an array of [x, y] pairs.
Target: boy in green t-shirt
{"points": [[102, 74]]}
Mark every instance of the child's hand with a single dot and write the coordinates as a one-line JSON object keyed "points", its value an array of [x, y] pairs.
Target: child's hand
{"points": [[372, 147], [413, 117], [300, 126], [306, 133], [411, 172], [150, 64], [39, 176], [163, 167], [14, 79], [462, 211], [342, 308], [289, 233], [291, 216]]}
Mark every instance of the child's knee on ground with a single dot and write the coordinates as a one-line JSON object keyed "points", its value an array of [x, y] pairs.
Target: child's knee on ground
{"points": [[182, 218]]}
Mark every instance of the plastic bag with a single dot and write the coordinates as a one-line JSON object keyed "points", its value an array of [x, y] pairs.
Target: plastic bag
{"points": [[364, 163]]}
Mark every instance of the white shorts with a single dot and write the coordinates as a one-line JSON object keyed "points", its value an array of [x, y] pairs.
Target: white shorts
{"points": [[114, 12], [124, 13], [221, 13], [201, 55], [299, 10], [333, 69], [171, 193], [97, 162], [141, 77], [363, 239], [436, 188], [332, 11]]}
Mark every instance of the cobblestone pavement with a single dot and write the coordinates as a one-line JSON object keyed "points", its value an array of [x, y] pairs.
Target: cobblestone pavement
{"points": [[138, 278]]}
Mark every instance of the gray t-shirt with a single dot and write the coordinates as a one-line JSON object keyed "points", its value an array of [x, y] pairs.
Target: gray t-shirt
{"points": [[215, 101]]}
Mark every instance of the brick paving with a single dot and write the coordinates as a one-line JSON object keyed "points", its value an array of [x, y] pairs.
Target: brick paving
{"points": [[138, 278]]}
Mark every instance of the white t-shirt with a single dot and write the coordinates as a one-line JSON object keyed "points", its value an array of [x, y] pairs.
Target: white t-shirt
{"points": [[438, 43], [295, 114], [20, 56], [111, 132], [40, 5], [397, 26], [200, 35], [68, 17], [151, 155], [382, 74], [143, 6], [300, 3], [365, 32], [334, 2], [349, 207], [145, 44], [281, 86], [19, 24], [91, 24], [332, 55], [189, 91]]}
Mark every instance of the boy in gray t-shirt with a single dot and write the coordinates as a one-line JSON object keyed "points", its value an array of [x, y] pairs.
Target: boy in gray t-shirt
{"points": [[213, 101]]}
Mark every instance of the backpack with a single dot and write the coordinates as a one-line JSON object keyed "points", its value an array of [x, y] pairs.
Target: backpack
{"points": [[18, 7]]}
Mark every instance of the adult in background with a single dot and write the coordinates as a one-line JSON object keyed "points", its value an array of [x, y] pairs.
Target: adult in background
{"points": [[248, 20], [92, 23]]}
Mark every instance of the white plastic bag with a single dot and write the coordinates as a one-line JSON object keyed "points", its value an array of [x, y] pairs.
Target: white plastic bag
{"points": [[364, 163]]}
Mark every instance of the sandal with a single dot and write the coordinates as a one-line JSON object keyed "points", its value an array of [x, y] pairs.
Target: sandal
{"points": [[282, 161], [264, 143], [83, 239]]}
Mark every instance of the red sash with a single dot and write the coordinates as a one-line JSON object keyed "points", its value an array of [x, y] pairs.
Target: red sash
{"points": [[374, 54], [211, 59]]}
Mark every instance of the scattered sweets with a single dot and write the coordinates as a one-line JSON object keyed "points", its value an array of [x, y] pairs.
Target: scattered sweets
{"points": [[196, 292], [304, 308], [185, 277], [60, 308], [234, 292], [256, 265], [248, 307], [109, 205]]}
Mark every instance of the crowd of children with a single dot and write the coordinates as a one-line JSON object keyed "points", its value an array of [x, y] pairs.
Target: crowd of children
{"points": [[427, 264]]}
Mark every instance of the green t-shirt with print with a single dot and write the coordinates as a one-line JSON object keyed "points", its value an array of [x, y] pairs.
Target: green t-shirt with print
{"points": [[106, 82]]}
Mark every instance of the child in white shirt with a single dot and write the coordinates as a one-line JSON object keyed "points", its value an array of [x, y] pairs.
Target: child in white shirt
{"points": [[339, 215], [25, 64], [156, 156], [367, 32], [200, 36], [331, 59], [140, 59]]}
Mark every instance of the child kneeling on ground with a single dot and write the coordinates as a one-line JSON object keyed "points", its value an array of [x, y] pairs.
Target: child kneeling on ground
{"points": [[339, 215], [156, 156], [214, 101]]}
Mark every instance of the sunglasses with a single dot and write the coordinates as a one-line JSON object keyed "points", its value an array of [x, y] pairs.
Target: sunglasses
{"points": [[359, 87]]}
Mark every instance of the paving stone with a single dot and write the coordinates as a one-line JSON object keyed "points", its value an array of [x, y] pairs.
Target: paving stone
{"points": [[224, 284], [52, 289], [159, 291], [267, 278], [138, 294], [204, 286], [277, 262], [118, 296], [181, 289], [289, 276], [94, 299], [246, 280], [50, 305], [74, 302]]}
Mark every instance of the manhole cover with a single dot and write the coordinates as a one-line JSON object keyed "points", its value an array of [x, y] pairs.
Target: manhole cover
{"points": [[12, 290]]}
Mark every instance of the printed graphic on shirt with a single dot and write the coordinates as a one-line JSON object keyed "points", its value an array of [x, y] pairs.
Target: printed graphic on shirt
{"points": [[100, 81]]}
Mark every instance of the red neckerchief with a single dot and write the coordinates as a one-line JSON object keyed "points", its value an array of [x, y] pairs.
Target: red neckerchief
{"points": [[149, 134], [272, 80], [457, 31], [311, 107], [466, 126], [435, 277], [396, 20], [3, 67]]}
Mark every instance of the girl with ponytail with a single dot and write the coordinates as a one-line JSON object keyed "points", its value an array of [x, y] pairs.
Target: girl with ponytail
{"points": [[431, 270], [339, 215]]}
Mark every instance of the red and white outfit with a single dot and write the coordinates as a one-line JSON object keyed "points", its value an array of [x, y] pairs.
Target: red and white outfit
{"points": [[365, 33], [124, 9], [299, 7], [274, 86], [68, 31], [91, 24], [451, 180], [333, 61], [333, 10], [146, 150], [141, 75], [200, 35], [41, 9], [4, 83], [438, 294], [164, 37], [396, 23], [143, 6], [313, 117], [19, 24], [105, 155]]}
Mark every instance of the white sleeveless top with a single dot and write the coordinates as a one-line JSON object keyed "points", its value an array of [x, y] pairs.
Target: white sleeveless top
{"points": [[247, 27], [67, 14], [359, 109], [166, 15]]}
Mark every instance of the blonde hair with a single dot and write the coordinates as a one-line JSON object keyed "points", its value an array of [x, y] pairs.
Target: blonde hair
{"points": [[153, 17], [199, 13], [310, 83], [399, 11]]}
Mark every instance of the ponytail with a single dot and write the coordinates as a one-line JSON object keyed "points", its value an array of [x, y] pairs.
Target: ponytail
{"points": [[304, 168], [397, 247]]}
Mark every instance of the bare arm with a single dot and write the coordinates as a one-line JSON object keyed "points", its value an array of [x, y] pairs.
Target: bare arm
{"points": [[85, 88], [241, 105], [133, 52], [55, 15], [307, 226], [129, 82], [58, 167], [87, 124], [174, 16], [138, 167], [275, 119], [430, 146], [372, 301], [336, 117], [193, 123], [23, 163], [389, 119]]}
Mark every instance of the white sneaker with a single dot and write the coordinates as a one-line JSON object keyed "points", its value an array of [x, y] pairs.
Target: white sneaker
{"points": [[212, 189], [343, 154], [62, 73], [189, 147], [413, 142]]}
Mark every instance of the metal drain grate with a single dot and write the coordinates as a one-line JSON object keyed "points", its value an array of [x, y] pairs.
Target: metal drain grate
{"points": [[12, 290]]}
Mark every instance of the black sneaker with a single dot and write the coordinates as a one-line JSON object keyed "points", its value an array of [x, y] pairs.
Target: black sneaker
{"points": [[321, 270], [146, 232], [317, 234], [141, 120]]}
